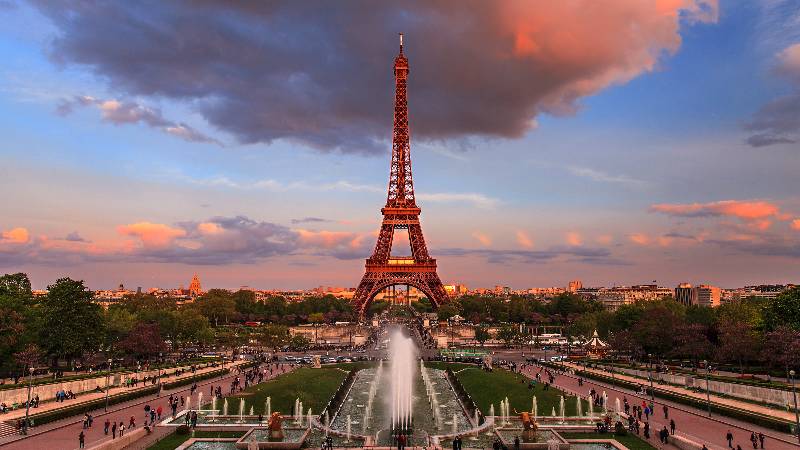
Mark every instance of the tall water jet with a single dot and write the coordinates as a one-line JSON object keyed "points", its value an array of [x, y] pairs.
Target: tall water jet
{"points": [[455, 423], [241, 410], [268, 408], [477, 418], [327, 423], [252, 411], [403, 357], [534, 407], [554, 412], [214, 411], [578, 406], [348, 428], [225, 407], [491, 413], [309, 417], [591, 407], [199, 400], [561, 409]]}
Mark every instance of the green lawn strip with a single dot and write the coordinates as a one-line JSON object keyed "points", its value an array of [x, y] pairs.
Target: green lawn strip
{"points": [[455, 367], [631, 441], [314, 387], [174, 440], [487, 388]]}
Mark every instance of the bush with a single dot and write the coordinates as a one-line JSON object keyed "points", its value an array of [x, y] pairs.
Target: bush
{"points": [[620, 430], [182, 429]]}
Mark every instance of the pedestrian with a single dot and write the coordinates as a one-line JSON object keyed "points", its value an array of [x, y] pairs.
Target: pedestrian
{"points": [[761, 438], [671, 426], [114, 430], [704, 447], [132, 423], [729, 438], [158, 411], [754, 439], [121, 429], [666, 413], [105, 426], [81, 439], [516, 442], [647, 430], [664, 434], [401, 442]]}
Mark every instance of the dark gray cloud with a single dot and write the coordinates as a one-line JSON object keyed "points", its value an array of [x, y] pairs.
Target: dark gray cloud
{"points": [[777, 122], [310, 220], [74, 237], [320, 72], [586, 255]]}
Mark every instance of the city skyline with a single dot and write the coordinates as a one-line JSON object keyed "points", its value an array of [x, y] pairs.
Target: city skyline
{"points": [[258, 156]]}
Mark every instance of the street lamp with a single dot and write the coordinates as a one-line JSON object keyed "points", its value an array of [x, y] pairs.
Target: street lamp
{"points": [[708, 388], [796, 412], [160, 362], [108, 376], [30, 386], [650, 376]]}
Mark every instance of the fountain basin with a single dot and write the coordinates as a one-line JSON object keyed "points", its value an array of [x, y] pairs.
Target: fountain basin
{"points": [[293, 438], [208, 444], [543, 436]]}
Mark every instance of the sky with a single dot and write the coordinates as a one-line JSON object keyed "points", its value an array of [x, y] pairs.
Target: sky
{"points": [[614, 142]]}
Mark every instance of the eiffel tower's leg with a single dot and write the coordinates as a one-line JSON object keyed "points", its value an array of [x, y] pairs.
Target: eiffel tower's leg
{"points": [[417, 241], [383, 248]]}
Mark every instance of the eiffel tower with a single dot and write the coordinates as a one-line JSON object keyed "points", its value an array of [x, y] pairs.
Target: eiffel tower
{"points": [[401, 212]]}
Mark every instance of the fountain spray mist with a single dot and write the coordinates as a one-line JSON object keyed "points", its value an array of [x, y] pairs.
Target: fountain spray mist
{"points": [[403, 360]]}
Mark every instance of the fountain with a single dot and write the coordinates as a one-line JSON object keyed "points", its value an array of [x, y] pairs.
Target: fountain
{"points": [[241, 410], [534, 407], [327, 423], [402, 354], [617, 407], [225, 407], [268, 408], [578, 406], [309, 417], [252, 411], [455, 424], [199, 400], [348, 433], [554, 412], [561, 409], [477, 418], [591, 408], [491, 413], [214, 411]]}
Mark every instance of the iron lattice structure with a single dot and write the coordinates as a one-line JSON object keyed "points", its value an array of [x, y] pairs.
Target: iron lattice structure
{"points": [[401, 212]]}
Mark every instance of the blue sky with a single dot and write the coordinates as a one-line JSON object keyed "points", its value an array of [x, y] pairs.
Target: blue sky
{"points": [[584, 179]]}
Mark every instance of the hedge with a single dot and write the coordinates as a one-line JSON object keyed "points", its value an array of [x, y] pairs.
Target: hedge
{"points": [[79, 408]]}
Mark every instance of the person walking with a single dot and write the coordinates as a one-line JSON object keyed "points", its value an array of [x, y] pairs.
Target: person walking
{"points": [[81, 439], [105, 426], [729, 438], [114, 430], [761, 438], [753, 440], [671, 426], [666, 413], [121, 429], [647, 430]]}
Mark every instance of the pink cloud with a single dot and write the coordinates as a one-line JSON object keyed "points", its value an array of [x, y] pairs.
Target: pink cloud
{"points": [[746, 210], [604, 239], [796, 224], [153, 235], [524, 240], [15, 236], [484, 239], [639, 238], [574, 238]]}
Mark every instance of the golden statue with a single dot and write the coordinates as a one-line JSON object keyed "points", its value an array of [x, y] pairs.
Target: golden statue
{"points": [[275, 426], [529, 427]]}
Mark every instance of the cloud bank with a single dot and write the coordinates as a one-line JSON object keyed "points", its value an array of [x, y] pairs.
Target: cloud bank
{"points": [[319, 73]]}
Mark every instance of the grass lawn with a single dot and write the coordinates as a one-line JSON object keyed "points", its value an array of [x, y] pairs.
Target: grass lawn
{"points": [[314, 387], [488, 388], [174, 440], [445, 365], [631, 441]]}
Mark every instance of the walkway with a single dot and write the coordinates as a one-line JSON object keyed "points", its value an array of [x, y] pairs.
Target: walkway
{"points": [[738, 404], [63, 434], [690, 423]]}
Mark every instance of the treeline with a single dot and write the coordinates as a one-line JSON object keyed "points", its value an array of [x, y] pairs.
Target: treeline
{"points": [[742, 333], [67, 326]]}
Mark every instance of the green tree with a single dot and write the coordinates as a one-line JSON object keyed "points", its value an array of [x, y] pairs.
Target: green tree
{"points": [[317, 317], [447, 311], [508, 334], [70, 323], [299, 342], [218, 305], [783, 310], [274, 336], [482, 335]]}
